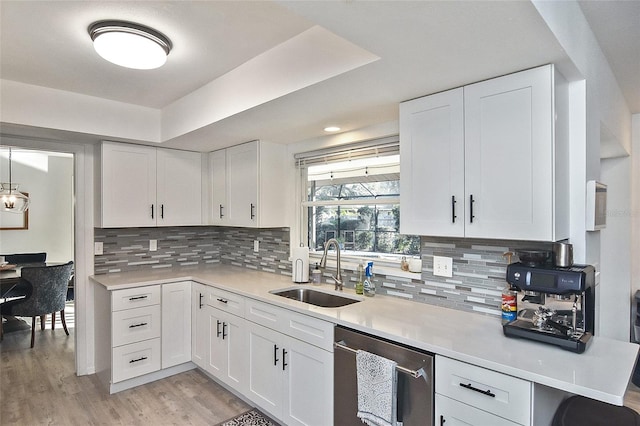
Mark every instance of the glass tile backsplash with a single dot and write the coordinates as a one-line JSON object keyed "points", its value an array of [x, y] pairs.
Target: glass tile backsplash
{"points": [[479, 267]]}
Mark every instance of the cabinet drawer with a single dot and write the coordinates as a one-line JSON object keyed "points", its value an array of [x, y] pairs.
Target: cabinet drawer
{"points": [[225, 301], [308, 329], [135, 325], [135, 360], [488, 390], [135, 297], [454, 413]]}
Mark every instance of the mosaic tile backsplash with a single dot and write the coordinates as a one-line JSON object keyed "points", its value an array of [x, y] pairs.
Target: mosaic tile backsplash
{"points": [[479, 267]]}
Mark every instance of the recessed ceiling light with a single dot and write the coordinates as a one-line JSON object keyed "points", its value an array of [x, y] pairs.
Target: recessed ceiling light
{"points": [[332, 129], [130, 45]]}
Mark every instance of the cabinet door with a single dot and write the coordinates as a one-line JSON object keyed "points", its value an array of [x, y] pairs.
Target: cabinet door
{"points": [[179, 188], [265, 382], [176, 323], [128, 185], [200, 332], [235, 338], [218, 170], [450, 412], [242, 184], [509, 156], [308, 374], [432, 165]]}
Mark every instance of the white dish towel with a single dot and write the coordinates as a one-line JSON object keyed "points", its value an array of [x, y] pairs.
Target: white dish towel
{"points": [[377, 389]]}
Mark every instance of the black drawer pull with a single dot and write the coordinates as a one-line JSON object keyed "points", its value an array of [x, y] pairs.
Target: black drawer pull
{"points": [[470, 387], [137, 360], [471, 215], [222, 300], [253, 215], [442, 421], [218, 332], [453, 209], [142, 324], [284, 359], [137, 297], [200, 303], [221, 215], [275, 355], [224, 330]]}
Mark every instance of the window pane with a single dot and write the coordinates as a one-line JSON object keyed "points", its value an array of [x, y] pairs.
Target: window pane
{"points": [[370, 228]]}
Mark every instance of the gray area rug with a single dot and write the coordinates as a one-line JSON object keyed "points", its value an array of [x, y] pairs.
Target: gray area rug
{"points": [[250, 418]]}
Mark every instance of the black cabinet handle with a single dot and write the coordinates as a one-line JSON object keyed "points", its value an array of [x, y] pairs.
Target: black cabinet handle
{"points": [[453, 209], [442, 421], [200, 303], [222, 300], [218, 332], [151, 211], [275, 355], [142, 324], [221, 215], [284, 359], [471, 201], [252, 211], [224, 330], [137, 297], [137, 360], [161, 211], [470, 387]]}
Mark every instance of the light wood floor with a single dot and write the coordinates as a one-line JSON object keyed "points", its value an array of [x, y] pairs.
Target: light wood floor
{"points": [[39, 386]]}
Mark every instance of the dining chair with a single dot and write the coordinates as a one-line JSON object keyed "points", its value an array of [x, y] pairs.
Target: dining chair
{"points": [[47, 296], [20, 258]]}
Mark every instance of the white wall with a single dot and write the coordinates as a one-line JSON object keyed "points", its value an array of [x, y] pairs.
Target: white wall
{"points": [[48, 178], [602, 102], [615, 246], [635, 209]]}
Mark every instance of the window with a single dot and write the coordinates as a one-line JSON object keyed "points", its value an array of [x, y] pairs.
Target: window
{"points": [[353, 195]]}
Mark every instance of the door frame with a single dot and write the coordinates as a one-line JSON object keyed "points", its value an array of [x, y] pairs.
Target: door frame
{"points": [[83, 173]]}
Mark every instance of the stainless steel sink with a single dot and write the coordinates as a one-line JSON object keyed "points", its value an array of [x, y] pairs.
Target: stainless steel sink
{"points": [[315, 297]]}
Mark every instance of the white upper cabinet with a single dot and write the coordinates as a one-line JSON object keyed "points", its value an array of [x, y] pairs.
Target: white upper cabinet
{"points": [[179, 190], [432, 165], [488, 160], [249, 185], [145, 186]]}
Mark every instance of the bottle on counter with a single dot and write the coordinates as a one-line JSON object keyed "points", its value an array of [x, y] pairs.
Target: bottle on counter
{"points": [[360, 279], [369, 286], [509, 304], [316, 275]]}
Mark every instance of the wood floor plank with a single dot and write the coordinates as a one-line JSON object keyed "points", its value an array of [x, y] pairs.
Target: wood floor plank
{"points": [[39, 386]]}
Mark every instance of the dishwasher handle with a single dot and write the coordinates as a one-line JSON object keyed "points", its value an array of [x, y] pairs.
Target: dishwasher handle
{"points": [[413, 373]]}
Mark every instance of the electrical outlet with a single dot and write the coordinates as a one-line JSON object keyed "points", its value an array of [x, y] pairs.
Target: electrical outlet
{"points": [[98, 248], [256, 246], [443, 266], [153, 245]]}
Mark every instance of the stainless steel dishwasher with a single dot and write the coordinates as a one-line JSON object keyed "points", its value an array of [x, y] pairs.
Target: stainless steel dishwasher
{"points": [[415, 378]]}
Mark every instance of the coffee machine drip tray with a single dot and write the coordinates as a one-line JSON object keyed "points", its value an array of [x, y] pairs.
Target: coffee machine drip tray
{"points": [[552, 332]]}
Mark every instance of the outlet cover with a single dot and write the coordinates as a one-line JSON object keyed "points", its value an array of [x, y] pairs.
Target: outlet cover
{"points": [[98, 248], [256, 246], [443, 266], [153, 245]]}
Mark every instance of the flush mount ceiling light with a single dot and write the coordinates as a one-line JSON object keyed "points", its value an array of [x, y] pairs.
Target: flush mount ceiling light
{"points": [[332, 129], [12, 200], [130, 45]]}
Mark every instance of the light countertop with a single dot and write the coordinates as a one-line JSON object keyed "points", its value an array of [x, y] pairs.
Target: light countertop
{"points": [[602, 372]]}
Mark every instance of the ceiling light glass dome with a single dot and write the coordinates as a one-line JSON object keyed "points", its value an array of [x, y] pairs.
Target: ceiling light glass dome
{"points": [[130, 45]]}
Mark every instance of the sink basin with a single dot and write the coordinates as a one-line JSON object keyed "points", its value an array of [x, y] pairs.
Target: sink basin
{"points": [[315, 297]]}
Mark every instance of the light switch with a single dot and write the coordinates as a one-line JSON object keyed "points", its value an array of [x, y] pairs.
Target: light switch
{"points": [[153, 245]]}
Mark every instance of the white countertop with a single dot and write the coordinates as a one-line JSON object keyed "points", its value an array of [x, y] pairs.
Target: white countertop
{"points": [[602, 372]]}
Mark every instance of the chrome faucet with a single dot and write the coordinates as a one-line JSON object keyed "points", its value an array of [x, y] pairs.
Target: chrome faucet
{"points": [[323, 262]]}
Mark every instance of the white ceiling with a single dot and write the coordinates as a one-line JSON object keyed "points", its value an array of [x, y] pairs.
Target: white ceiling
{"points": [[423, 46]]}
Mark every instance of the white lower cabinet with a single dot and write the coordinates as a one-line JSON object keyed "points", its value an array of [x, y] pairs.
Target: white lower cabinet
{"points": [[471, 395], [290, 379], [176, 323], [142, 333], [450, 412]]}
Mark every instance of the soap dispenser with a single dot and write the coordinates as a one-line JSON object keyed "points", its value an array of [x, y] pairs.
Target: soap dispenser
{"points": [[369, 285]]}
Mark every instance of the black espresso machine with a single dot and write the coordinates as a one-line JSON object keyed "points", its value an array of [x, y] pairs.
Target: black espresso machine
{"points": [[558, 304]]}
